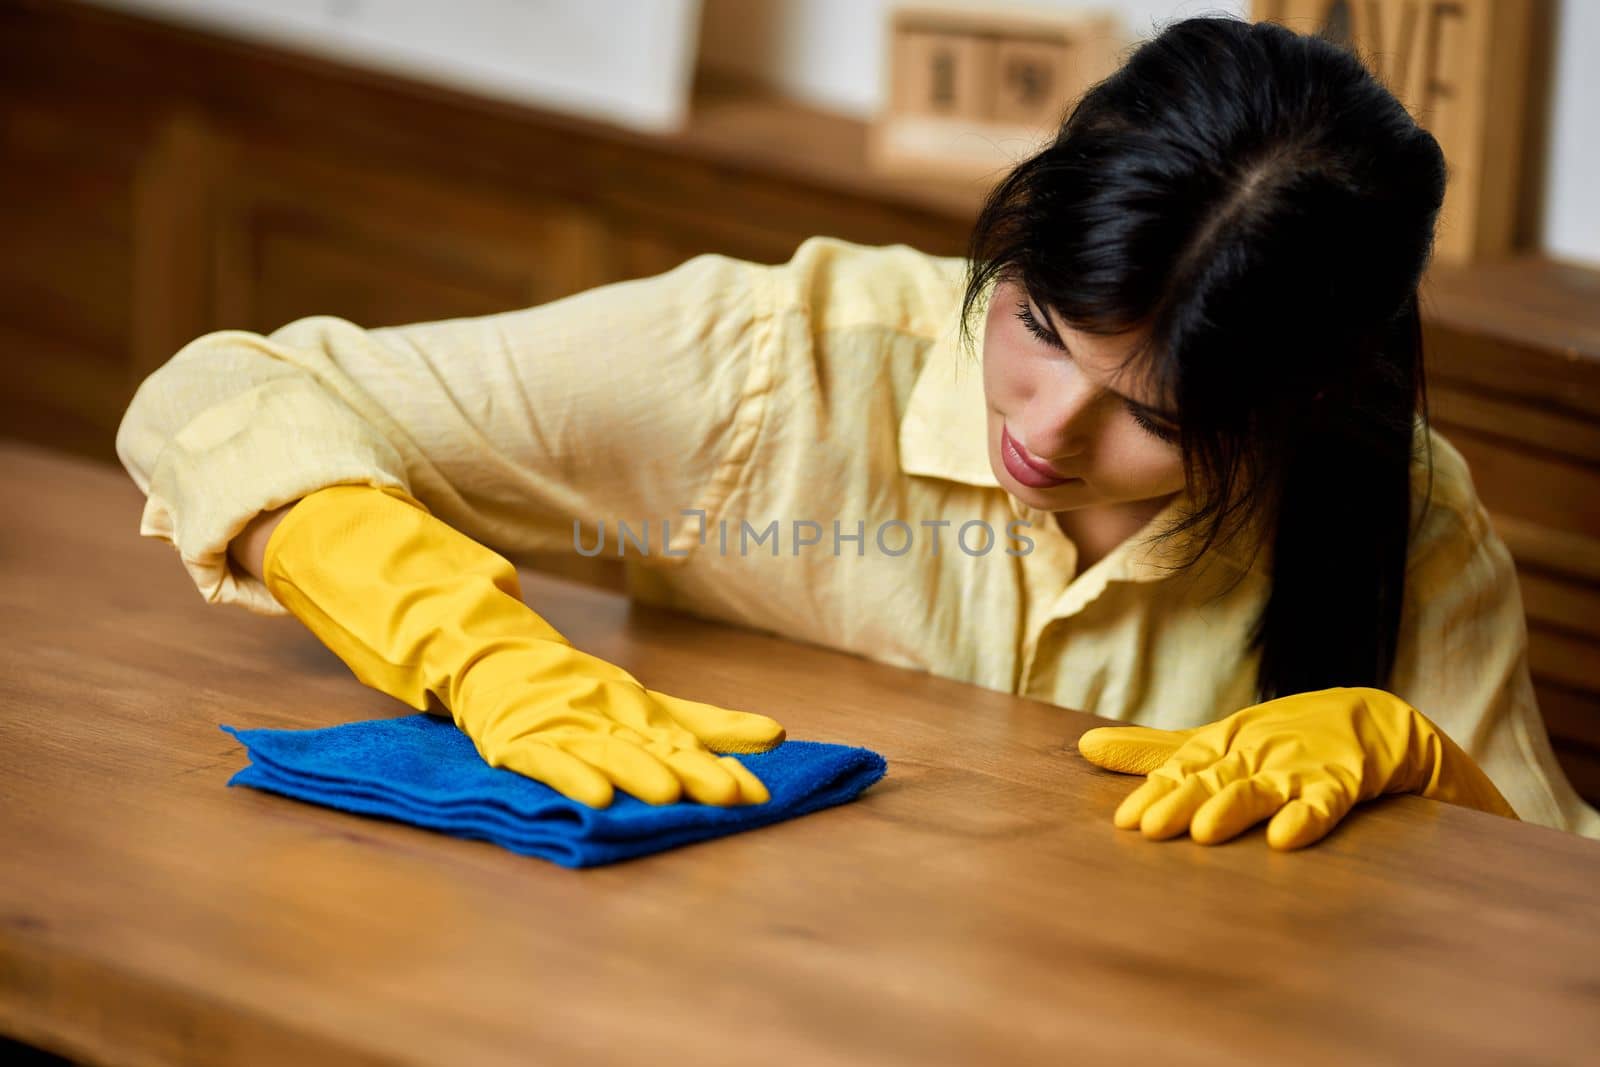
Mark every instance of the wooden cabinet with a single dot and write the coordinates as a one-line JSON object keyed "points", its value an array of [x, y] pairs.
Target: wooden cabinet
{"points": [[251, 235], [1514, 382], [163, 182], [66, 255]]}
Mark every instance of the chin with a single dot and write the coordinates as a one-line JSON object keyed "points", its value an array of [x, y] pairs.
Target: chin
{"points": [[1062, 498]]}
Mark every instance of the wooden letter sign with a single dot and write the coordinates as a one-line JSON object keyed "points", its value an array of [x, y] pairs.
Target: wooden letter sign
{"points": [[1462, 69]]}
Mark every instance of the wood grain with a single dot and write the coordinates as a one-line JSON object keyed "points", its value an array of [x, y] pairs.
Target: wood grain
{"points": [[975, 906]]}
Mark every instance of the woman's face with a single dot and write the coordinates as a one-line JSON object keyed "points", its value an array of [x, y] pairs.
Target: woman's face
{"points": [[1069, 425]]}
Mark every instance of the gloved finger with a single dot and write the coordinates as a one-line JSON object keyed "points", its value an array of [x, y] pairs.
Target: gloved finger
{"points": [[1171, 815], [627, 765], [657, 742], [704, 777], [1216, 775], [1235, 809], [1133, 806], [751, 789], [568, 775], [626, 706], [721, 729], [1308, 818], [1130, 749]]}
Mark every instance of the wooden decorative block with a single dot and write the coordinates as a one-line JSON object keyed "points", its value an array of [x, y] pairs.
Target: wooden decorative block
{"points": [[946, 74], [1462, 68], [972, 91], [1031, 79]]}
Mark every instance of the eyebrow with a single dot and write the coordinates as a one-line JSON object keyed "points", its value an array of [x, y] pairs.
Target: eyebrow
{"points": [[1159, 414]]}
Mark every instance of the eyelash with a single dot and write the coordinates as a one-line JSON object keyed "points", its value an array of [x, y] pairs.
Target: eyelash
{"points": [[1144, 422], [1154, 429], [1037, 328]]}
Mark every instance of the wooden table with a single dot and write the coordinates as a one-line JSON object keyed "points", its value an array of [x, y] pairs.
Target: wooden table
{"points": [[974, 906]]}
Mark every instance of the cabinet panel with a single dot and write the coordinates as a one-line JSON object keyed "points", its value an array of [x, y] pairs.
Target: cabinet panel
{"points": [[1573, 717], [1541, 487], [298, 235], [66, 254]]}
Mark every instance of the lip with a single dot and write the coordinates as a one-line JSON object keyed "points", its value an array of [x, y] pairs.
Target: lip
{"points": [[1031, 472]]}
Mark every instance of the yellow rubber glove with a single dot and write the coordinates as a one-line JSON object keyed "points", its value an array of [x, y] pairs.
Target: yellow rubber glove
{"points": [[416, 608], [1305, 760]]}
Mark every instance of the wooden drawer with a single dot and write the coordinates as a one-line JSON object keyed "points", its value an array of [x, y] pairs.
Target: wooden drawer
{"points": [[1514, 383]]}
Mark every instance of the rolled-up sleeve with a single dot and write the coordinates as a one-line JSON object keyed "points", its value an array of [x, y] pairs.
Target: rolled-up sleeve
{"points": [[1463, 662], [632, 402]]}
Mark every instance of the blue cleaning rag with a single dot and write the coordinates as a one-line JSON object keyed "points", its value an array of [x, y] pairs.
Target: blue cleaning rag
{"points": [[422, 770]]}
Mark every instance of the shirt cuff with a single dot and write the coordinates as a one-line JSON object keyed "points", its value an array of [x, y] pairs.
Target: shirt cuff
{"points": [[255, 452]]}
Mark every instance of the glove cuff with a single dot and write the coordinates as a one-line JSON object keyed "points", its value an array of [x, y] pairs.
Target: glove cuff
{"points": [[406, 601]]}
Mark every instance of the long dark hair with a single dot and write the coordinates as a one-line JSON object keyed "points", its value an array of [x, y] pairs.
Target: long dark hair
{"points": [[1260, 204]]}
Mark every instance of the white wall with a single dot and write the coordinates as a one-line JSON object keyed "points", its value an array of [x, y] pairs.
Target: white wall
{"points": [[628, 62], [1571, 210], [830, 53]]}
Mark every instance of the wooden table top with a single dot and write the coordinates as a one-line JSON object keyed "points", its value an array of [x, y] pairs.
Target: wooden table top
{"points": [[975, 906]]}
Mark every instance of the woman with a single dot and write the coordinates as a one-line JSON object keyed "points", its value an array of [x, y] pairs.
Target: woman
{"points": [[1187, 488]]}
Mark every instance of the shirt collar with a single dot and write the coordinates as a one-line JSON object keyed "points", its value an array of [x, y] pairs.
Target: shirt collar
{"points": [[944, 433]]}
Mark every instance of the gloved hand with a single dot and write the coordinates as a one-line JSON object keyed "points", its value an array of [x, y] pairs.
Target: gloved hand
{"points": [[414, 607], [1305, 760]]}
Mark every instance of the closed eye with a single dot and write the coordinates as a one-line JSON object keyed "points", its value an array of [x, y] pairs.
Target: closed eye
{"points": [[1161, 430], [1028, 319]]}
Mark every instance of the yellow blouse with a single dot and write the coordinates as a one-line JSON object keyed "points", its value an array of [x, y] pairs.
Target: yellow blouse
{"points": [[800, 449]]}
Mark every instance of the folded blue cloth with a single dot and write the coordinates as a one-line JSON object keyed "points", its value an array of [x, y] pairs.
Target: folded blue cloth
{"points": [[422, 770]]}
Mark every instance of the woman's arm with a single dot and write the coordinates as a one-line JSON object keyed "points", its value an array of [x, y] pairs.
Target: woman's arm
{"points": [[250, 546], [633, 401], [428, 616], [356, 478]]}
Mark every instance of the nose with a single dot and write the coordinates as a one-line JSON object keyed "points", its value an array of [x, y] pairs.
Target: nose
{"points": [[1056, 424]]}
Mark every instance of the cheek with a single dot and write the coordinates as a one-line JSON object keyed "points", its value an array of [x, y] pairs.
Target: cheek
{"points": [[1134, 465], [997, 385], [1003, 380], [991, 355]]}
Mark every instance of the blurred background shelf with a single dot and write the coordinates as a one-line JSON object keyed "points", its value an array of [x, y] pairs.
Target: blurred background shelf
{"points": [[164, 182]]}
